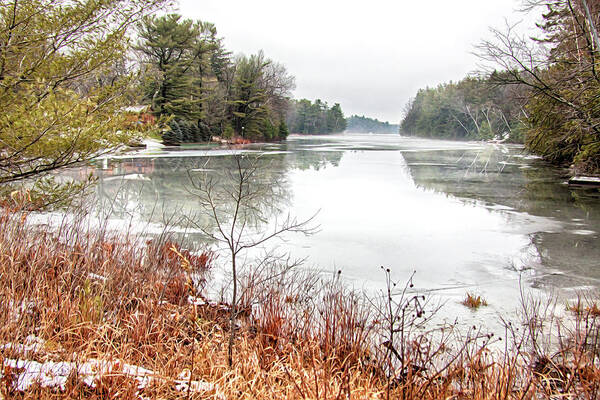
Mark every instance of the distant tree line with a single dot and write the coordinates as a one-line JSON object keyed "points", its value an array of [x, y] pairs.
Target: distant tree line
{"points": [[357, 124], [315, 117], [188, 76], [547, 93], [473, 108]]}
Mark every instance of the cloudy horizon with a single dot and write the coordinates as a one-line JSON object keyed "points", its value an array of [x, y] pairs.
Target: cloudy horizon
{"points": [[369, 58]]}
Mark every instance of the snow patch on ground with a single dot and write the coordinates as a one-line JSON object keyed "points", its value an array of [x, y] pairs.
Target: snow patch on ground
{"points": [[19, 308], [32, 344], [51, 374]]}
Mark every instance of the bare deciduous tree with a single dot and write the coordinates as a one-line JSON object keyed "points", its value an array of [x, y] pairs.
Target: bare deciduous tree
{"points": [[236, 204], [558, 70]]}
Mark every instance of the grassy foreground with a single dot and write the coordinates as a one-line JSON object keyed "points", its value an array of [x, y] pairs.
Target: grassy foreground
{"points": [[90, 314]]}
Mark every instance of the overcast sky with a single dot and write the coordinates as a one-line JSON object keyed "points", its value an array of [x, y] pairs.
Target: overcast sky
{"points": [[370, 56]]}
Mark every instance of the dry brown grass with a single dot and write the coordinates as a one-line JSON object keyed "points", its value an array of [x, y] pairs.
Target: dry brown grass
{"points": [[473, 301], [584, 306], [93, 295]]}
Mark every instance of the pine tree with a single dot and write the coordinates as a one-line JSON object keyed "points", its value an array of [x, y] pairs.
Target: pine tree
{"points": [[249, 103], [170, 49], [63, 82], [282, 131], [173, 136]]}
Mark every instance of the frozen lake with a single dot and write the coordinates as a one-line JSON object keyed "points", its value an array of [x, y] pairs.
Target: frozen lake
{"points": [[466, 216]]}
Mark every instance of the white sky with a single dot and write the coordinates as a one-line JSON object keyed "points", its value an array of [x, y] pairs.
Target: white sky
{"points": [[370, 56]]}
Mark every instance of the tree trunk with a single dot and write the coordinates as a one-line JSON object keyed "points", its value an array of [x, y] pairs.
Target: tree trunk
{"points": [[592, 26], [232, 316]]}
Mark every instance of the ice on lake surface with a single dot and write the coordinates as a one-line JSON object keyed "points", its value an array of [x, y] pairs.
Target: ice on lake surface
{"points": [[464, 215]]}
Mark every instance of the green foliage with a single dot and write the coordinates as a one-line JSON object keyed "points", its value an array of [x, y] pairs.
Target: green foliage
{"points": [[559, 80], [314, 118], [190, 76], [545, 97], [259, 97], [228, 132], [182, 131], [558, 138], [564, 115], [473, 108], [250, 111], [282, 131], [269, 131], [63, 82], [45, 193], [171, 49], [173, 136], [335, 119], [588, 159], [364, 124]]}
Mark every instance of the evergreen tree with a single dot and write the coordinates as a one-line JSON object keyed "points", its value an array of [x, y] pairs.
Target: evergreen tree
{"points": [[335, 119], [365, 124], [186, 130], [269, 130], [316, 118], [558, 74], [189, 76], [173, 135], [282, 131], [196, 134], [63, 82], [171, 48], [473, 108], [249, 103]]}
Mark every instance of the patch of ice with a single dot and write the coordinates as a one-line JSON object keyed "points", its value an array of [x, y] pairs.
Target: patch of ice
{"points": [[152, 144], [32, 344], [17, 309], [183, 153], [511, 163], [527, 156], [54, 220], [580, 289], [584, 232], [97, 277], [52, 374], [202, 170], [127, 177]]}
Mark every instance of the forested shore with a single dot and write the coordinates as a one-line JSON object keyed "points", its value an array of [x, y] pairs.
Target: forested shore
{"points": [[362, 124], [92, 310], [539, 90], [198, 89], [471, 109]]}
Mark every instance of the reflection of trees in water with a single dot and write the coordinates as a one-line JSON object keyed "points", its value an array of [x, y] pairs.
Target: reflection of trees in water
{"points": [[502, 178], [483, 175], [506, 178], [157, 189], [161, 190], [577, 249], [310, 159], [308, 154]]}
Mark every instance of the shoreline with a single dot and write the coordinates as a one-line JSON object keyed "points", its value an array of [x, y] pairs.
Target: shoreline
{"points": [[103, 295]]}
